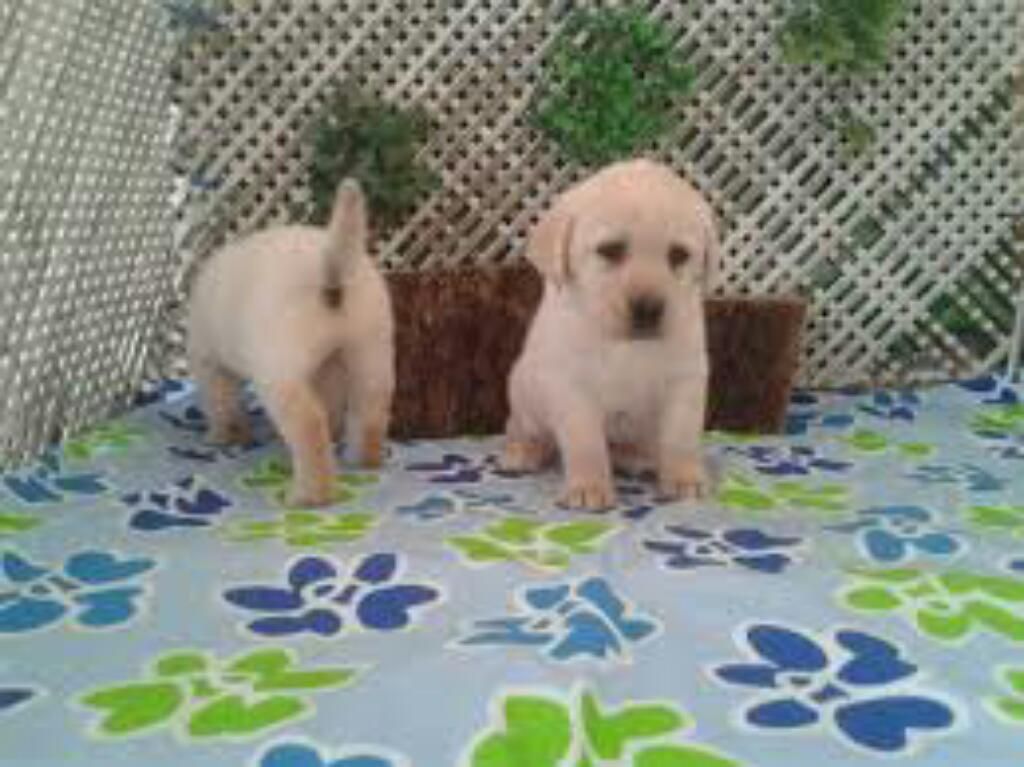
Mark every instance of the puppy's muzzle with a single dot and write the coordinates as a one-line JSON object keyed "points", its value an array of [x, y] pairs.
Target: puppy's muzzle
{"points": [[646, 314]]}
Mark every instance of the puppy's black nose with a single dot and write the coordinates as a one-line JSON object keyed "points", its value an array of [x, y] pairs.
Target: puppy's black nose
{"points": [[646, 313]]}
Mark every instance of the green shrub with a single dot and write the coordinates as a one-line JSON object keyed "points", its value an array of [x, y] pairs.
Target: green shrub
{"points": [[851, 36], [357, 135], [611, 80]]}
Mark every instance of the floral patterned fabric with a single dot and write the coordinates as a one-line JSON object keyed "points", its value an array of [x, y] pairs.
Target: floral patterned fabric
{"points": [[852, 594]]}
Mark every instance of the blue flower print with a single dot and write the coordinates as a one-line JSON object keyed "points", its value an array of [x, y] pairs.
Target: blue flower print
{"points": [[186, 503], [892, 406], [14, 697], [971, 477], [788, 460], [1015, 565], [995, 391], [565, 621], [449, 469], [319, 600], [747, 548], [430, 508], [47, 482], [805, 412], [300, 753], [896, 534], [93, 590], [165, 391], [856, 683]]}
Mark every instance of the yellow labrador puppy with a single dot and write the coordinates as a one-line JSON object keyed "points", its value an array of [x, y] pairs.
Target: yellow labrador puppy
{"points": [[303, 313], [615, 368]]}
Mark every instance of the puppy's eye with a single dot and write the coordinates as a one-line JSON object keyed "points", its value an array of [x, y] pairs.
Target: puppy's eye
{"points": [[614, 251], [678, 257]]}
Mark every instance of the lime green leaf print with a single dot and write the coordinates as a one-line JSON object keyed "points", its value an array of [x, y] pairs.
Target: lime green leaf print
{"points": [[133, 707], [1000, 418], [537, 732], [868, 441], [304, 529], [107, 438], [1006, 518], [610, 734], [207, 699], [548, 546], [681, 756], [946, 607], [744, 494], [273, 478], [1009, 708], [231, 716], [12, 523], [542, 731]]}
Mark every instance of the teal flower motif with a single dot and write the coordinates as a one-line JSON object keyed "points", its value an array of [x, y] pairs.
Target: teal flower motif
{"points": [[946, 606]]}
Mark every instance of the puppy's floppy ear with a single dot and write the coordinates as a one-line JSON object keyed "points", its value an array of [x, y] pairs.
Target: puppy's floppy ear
{"points": [[547, 247], [711, 266]]}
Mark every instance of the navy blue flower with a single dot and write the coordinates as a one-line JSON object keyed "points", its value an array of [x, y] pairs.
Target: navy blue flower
{"points": [[319, 600], [748, 548], [167, 390], [788, 460], [569, 620], [188, 502], [995, 390], [429, 508], [451, 468], [892, 406], [93, 589], [973, 478], [47, 482], [894, 534], [858, 683], [13, 697]]}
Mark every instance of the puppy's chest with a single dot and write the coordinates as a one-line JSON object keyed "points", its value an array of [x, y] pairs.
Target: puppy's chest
{"points": [[630, 385]]}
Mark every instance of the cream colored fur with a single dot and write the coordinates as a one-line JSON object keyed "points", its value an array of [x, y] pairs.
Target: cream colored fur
{"points": [[584, 385], [261, 310]]}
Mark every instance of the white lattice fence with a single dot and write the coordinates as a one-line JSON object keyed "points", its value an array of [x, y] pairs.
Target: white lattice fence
{"points": [[86, 263], [906, 250]]}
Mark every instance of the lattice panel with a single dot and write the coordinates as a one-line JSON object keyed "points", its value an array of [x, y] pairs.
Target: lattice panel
{"points": [[85, 256], [905, 250]]}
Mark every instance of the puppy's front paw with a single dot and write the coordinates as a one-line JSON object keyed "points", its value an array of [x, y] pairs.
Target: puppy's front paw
{"points": [[686, 478], [595, 495], [231, 433], [523, 456], [311, 495]]}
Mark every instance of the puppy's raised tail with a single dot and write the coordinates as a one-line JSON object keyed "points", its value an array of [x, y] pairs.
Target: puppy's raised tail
{"points": [[346, 240]]}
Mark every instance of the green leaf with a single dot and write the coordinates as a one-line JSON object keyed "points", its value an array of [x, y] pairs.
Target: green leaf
{"points": [[943, 625], [901, 575], [1014, 678], [12, 523], [181, 664], [230, 715], [317, 679], [477, 549], [577, 535], [681, 756], [916, 449], [260, 663], [872, 599], [514, 530], [1011, 708], [997, 619], [868, 441], [133, 707], [610, 734], [536, 732]]}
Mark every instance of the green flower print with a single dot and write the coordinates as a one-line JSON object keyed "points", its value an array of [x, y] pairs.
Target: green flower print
{"points": [[273, 477], [111, 437], [1004, 518], [12, 523], [1009, 708], [948, 606], [873, 442], [745, 494], [244, 697], [544, 545], [541, 731], [1000, 418], [305, 529]]}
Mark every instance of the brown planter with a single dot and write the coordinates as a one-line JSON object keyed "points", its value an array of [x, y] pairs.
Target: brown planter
{"points": [[459, 332]]}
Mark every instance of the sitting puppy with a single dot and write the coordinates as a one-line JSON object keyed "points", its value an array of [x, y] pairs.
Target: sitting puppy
{"points": [[304, 314], [615, 368]]}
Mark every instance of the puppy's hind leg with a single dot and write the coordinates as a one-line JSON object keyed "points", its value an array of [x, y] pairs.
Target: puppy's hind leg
{"points": [[370, 389], [302, 420], [330, 383], [220, 395]]}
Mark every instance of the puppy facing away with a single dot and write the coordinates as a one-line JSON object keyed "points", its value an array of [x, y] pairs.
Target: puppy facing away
{"points": [[614, 369], [304, 314]]}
